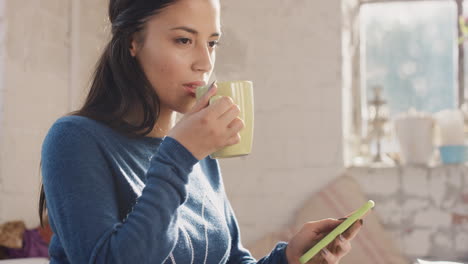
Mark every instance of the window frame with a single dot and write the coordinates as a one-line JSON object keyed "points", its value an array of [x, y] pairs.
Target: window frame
{"points": [[352, 94]]}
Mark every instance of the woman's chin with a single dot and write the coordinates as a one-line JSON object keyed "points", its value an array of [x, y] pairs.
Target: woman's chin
{"points": [[183, 109]]}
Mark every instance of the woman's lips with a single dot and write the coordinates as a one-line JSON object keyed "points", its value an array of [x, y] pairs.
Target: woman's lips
{"points": [[191, 88], [196, 83]]}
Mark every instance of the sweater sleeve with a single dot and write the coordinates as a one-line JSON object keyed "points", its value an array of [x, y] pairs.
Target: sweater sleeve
{"points": [[240, 255], [82, 203]]}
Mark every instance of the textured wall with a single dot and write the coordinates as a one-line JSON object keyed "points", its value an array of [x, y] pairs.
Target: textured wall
{"points": [[292, 52], [41, 81], [425, 209], [2, 65], [36, 81]]}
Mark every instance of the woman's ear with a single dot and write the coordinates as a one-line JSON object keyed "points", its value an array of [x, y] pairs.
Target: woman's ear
{"points": [[133, 47], [136, 43]]}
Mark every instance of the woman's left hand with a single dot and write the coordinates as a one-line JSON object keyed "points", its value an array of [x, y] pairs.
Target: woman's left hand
{"points": [[312, 232]]}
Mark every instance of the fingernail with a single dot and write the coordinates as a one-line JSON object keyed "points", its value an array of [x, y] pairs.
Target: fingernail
{"points": [[342, 219], [341, 238], [361, 221], [325, 252], [211, 86]]}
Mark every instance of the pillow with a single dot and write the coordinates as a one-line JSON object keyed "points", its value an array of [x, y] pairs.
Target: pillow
{"points": [[11, 234], [341, 197]]}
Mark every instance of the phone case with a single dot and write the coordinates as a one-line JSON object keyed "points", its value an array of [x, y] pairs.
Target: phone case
{"points": [[337, 231]]}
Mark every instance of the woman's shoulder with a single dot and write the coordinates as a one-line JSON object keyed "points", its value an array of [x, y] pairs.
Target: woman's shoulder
{"points": [[74, 130], [79, 125], [75, 121]]}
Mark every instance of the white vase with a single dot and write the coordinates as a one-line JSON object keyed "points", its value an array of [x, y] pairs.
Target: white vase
{"points": [[415, 133]]}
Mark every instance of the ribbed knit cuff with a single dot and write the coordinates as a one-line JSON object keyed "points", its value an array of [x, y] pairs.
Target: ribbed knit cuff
{"points": [[280, 252], [172, 151]]}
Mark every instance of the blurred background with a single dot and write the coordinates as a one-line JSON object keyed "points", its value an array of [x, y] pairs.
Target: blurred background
{"points": [[354, 100]]}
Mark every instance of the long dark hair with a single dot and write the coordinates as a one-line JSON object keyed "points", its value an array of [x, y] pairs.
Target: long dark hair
{"points": [[119, 83]]}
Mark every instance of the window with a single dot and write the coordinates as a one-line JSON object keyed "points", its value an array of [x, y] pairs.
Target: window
{"points": [[410, 49]]}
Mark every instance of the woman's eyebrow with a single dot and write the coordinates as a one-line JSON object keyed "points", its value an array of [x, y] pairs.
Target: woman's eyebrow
{"points": [[193, 31]]}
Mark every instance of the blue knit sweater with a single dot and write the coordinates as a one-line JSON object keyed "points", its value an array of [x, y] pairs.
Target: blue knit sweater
{"points": [[114, 199]]}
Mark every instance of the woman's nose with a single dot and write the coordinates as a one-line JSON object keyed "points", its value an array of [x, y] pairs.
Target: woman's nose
{"points": [[204, 59]]}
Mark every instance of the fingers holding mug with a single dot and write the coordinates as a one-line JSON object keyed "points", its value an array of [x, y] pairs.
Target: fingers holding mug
{"points": [[233, 140], [236, 125], [233, 107], [229, 115], [233, 129]]}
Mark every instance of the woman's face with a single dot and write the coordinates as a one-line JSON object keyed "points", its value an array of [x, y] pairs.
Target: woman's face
{"points": [[178, 50]]}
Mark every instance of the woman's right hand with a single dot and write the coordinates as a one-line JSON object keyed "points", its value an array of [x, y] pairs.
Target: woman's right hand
{"points": [[312, 232], [207, 128]]}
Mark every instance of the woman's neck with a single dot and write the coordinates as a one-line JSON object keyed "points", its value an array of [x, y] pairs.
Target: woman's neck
{"points": [[166, 121]]}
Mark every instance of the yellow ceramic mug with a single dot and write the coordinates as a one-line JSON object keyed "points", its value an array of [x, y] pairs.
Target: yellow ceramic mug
{"points": [[241, 92]]}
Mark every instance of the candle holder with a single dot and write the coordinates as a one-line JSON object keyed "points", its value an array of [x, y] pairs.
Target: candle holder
{"points": [[378, 119]]}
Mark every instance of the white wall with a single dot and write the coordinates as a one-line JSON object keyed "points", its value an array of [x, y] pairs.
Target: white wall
{"points": [[290, 49], [36, 53], [39, 77], [2, 65], [292, 52]]}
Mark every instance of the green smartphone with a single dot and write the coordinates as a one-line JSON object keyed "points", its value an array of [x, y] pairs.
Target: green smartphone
{"points": [[337, 231]]}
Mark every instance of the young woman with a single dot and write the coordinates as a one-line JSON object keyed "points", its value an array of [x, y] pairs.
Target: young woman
{"points": [[123, 183]]}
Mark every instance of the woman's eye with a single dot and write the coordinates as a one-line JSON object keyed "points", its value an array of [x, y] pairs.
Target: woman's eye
{"points": [[184, 41], [213, 43]]}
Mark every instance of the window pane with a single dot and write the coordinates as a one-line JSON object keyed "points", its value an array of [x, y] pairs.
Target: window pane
{"points": [[410, 49]]}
